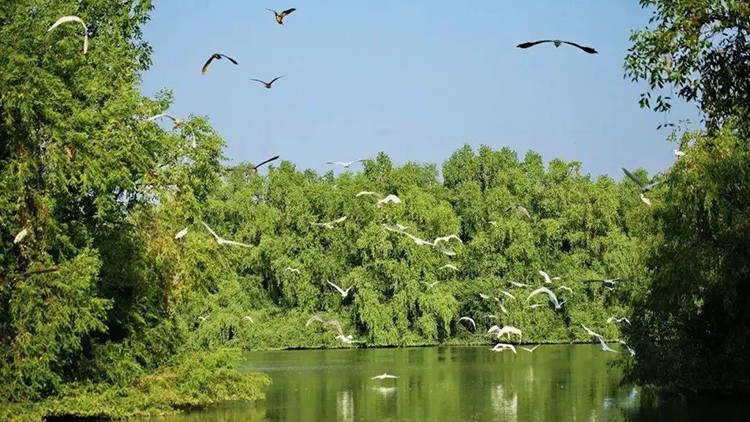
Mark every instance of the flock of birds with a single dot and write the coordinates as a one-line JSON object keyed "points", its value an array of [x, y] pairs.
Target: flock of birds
{"points": [[439, 244]]}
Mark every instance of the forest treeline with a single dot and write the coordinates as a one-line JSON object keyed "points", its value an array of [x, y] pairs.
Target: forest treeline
{"points": [[105, 312]]}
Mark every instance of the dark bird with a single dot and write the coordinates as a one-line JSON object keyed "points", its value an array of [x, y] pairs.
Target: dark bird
{"points": [[216, 56], [280, 16], [255, 168], [641, 185], [557, 44], [268, 84]]}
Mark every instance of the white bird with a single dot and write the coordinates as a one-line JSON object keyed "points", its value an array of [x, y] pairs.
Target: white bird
{"points": [[401, 227], [383, 376], [181, 233], [502, 308], [547, 278], [344, 293], [367, 192], [484, 296], [249, 318], [566, 288], [65, 19], [499, 347], [605, 347], [291, 269], [222, 241], [325, 321], [507, 294], [329, 224], [678, 153], [176, 121], [449, 266], [517, 284], [431, 285], [610, 319], [20, 236], [645, 200], [348, 339], [388, 199], [202, 318], [536, 305], [550, 294], [345, 163], [490, 316], [530, 349], [630, 349], [465, 318], [508, 329], [446, 238], [419, 241], [592, 332], [447, 252]]}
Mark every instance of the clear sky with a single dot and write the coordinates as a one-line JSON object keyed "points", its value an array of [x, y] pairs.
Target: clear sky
{"points": [[416, 79]]}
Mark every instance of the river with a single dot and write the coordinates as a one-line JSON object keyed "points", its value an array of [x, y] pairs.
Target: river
{"points": [[454, 384]]}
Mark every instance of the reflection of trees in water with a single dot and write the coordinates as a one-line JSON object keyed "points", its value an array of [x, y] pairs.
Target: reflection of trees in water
{"points": [[503, 406], [345, 405]]}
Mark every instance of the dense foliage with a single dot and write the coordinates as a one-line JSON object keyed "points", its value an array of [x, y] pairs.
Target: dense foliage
{"points": [[694, 315]]}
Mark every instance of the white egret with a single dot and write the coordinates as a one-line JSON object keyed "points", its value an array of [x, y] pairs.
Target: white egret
{"points": [[202, 318], [499, 347], [508, 329], [502, 308], [465, 318], [348, 339], [610, 319], [325, 321], [329, 224], [383, 376], [547, 278], [175, 121], [678, 153], [550, 294], [530, 349], [344, 293], [630, 349], [517, 284], [388, 199], [249, 318], [292, 270], [181, 233], [346, 164], [431, 285], [490, 316], [401, 227], [484, 296], [449, 267], [367, 192], [592, 332], [506, 293], [222, 241], [605, 347], [446, 238], [566, 288], [645, 200], [65, 19], [536, 305]]}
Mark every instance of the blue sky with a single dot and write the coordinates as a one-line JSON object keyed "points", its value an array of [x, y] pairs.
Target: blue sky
{"points": [[416, 79]]}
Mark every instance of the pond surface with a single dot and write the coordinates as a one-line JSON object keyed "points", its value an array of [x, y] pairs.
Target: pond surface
{"points": [[455, 384]]}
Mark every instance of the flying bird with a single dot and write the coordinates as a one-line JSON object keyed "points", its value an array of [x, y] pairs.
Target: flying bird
{"points": [[216, 56], [610, 319], [630, 349], [484, 296], [499, 347], [530, 349], [280, 16], [249, 318], [644, 199], [181, 234], [507, 294], [517, 284], [65, 19], [592, 332], [325, 321], [431, 285], [508, 329], [641, 185], [384, 376], [348, 339], [254, 169], [268, 84], [368, 192], [291, 269], [557, 44], [536, 305], [465, 318], [547, 278], [202, 318], [678, 153], [222, 241], [550, 294], [605, 347], [345, 163], [609, 281], [446, 239], [389, 199], [329, 225], [344, 293], [566, 288], [449, 266]]}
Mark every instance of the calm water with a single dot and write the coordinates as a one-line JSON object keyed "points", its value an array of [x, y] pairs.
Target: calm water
{"points": [[554, 383]]}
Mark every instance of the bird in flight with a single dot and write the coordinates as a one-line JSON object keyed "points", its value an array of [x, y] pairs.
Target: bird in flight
{"points": [[222, 241], [499, 347], [384, 376], [348, 339], [181, 233], [557, 44], [346, 163], [254, 169], [508, 329], [566, 288], [517, 284], [329, 224], [605, 347], [280, 16], [465, 318], [507, 293], [592, 332], [325, 321], [610, 319], [678, 153], [550, 294], [20, 236], [641, 185], [290, 269], [431, 285], [216, 56], [609, 281], [268, 84], [344, 293], [547, 278], [65, 19], [530, 349], [177, 122], [249, 318], [449, 266], [388, 199]]}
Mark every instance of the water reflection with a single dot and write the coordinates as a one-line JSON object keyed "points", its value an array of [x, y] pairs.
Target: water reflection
{"points": [[555, 383]]}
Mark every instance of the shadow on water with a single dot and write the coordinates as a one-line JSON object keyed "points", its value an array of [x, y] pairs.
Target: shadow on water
{"points": [[555, 383]]}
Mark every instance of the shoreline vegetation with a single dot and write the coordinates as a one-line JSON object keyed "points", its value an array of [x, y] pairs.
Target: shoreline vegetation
{"points": [[117, 300]]}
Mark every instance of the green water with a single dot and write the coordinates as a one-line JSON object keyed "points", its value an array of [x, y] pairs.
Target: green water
{"points": [[455, 384]]}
